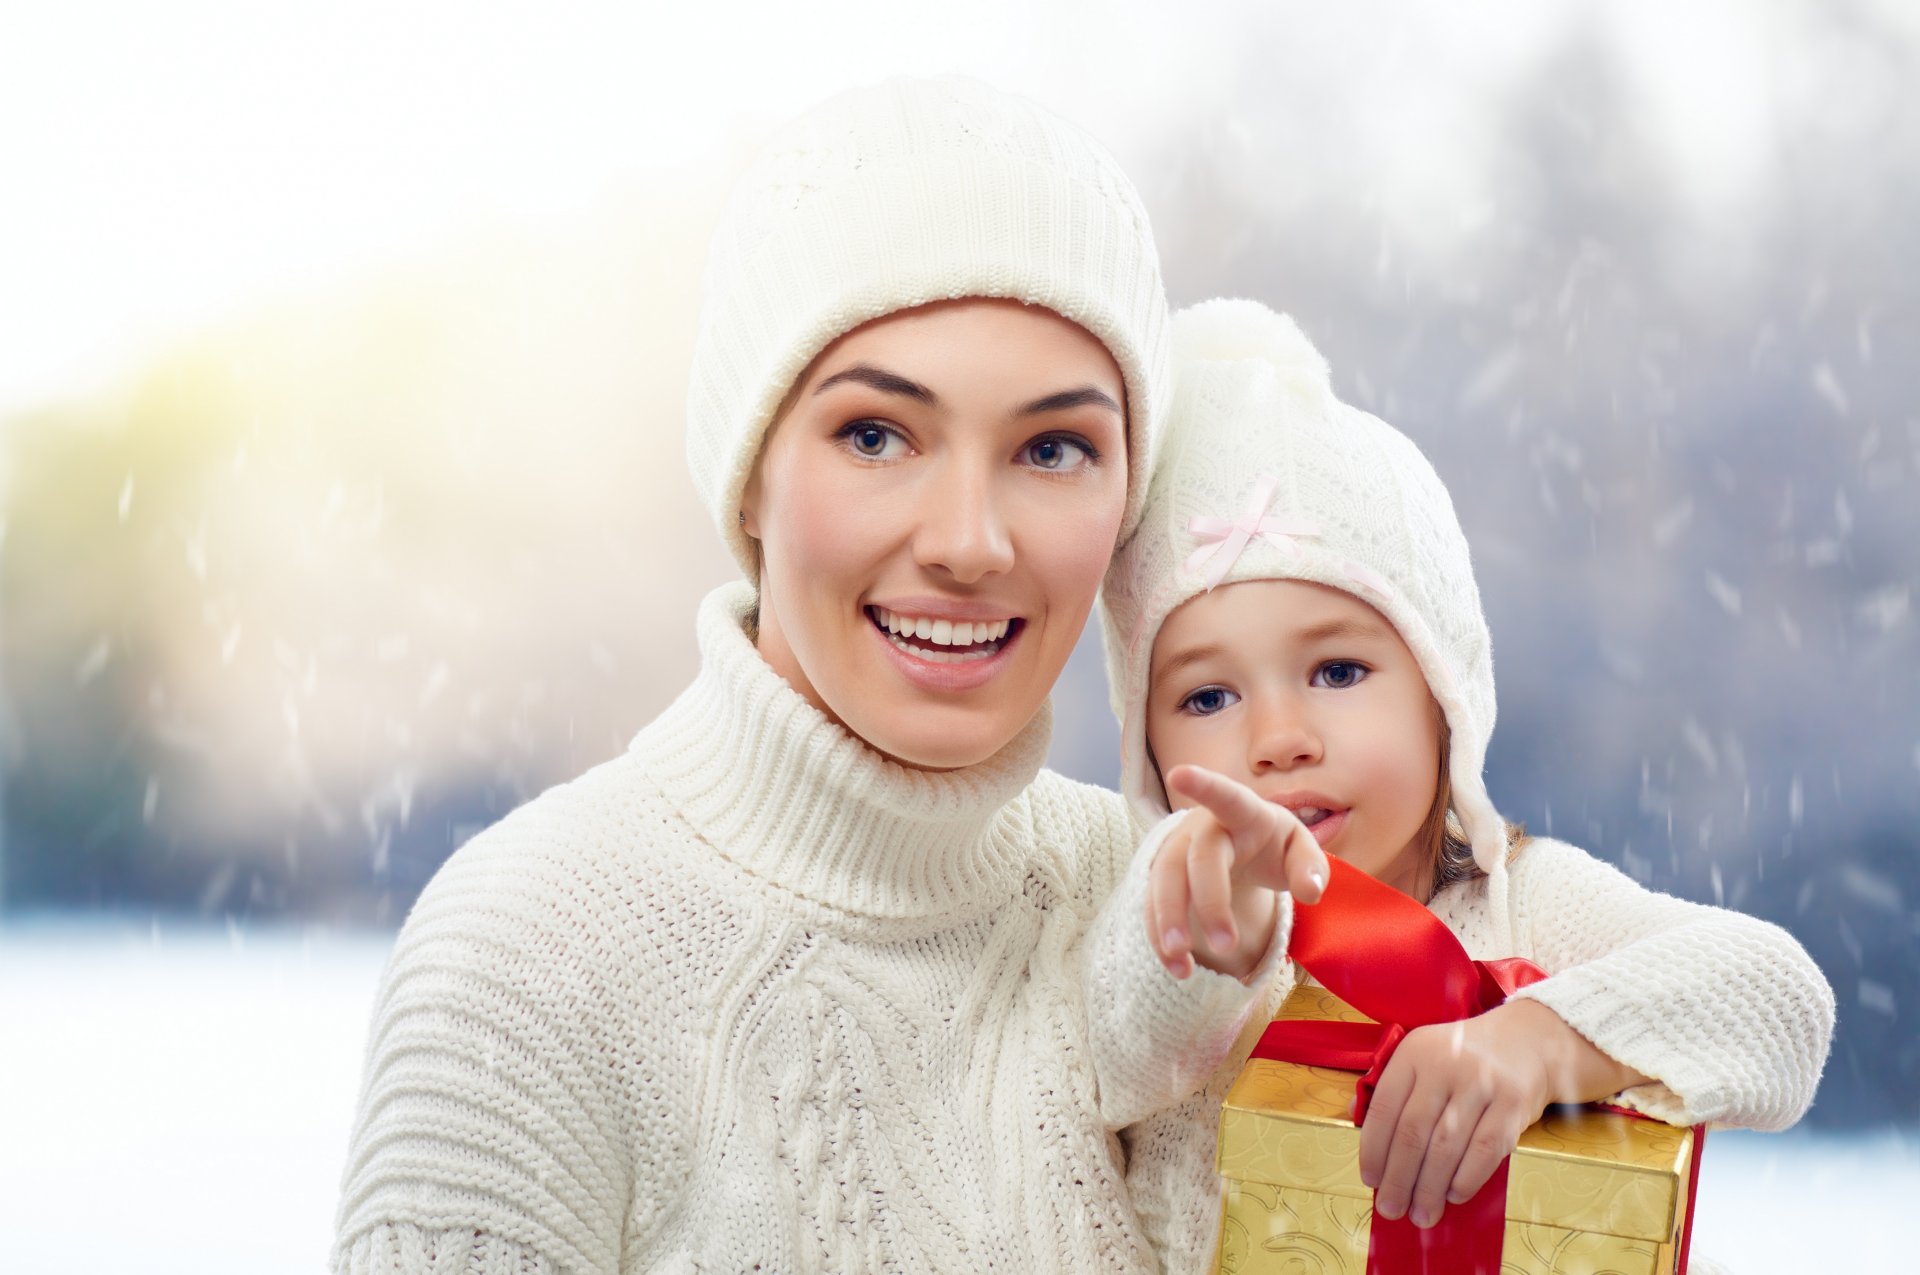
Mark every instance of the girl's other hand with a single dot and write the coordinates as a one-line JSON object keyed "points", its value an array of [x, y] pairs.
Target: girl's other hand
{"points": [[1211, 893], [1456, 1097]]}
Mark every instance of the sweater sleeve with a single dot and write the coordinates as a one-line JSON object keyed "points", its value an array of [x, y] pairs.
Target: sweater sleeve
{"points": [[1156, 1039], [496, 1129], [1726, 1012], [1171, 1179]]}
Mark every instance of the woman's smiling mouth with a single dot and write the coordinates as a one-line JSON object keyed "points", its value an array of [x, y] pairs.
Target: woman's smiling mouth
{"points": [[944, 641]]}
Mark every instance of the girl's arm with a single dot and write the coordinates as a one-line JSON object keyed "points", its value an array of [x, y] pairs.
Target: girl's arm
{"points": [[1185, 947], [1686, 1012], [1727, 1015], [1155, 1039]]}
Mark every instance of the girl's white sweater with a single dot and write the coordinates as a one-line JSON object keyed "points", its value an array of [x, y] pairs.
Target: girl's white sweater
{"points": [[1728, 1013], [751, 997]]}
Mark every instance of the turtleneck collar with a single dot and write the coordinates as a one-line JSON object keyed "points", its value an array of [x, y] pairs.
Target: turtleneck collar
{"points": [[796, 799]]}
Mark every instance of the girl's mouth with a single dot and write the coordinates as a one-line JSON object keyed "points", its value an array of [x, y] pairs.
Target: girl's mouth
{"points": [[1324, 823], [944, 641]]}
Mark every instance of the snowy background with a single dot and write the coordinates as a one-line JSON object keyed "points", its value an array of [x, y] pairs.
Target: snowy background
{"points": [[183, 1103], [342, 352]]}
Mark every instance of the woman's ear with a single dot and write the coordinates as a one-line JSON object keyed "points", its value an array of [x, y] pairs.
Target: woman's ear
{"points": [[750, 505]]}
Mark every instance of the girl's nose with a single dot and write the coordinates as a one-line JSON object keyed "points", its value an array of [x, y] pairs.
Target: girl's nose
{"points": [[962, 530], [1283, 737]]}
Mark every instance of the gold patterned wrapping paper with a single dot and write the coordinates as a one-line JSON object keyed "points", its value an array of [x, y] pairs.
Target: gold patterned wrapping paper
{"points": [[1589, 1192]]}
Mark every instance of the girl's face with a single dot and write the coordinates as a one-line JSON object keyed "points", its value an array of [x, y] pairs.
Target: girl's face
{"points": [[1308, 696], [935, 508]]}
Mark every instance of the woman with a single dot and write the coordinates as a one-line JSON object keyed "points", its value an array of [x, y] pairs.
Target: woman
{"points": [[810, 978]]}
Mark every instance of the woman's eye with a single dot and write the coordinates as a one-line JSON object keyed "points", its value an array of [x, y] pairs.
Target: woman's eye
{"points": [[1339, 674], [872, 440], [1058, 454], [1209, 700]]}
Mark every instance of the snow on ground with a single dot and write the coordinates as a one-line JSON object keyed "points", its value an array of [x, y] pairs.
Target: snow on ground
{"points": [[178, 1100]]}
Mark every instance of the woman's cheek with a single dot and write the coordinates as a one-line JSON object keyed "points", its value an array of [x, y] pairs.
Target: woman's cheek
{"points": [[1073, 542], [819, 518]]}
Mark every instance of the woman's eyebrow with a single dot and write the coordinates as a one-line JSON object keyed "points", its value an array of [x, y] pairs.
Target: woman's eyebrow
{"points": [[884, 381], [1085, 396]]}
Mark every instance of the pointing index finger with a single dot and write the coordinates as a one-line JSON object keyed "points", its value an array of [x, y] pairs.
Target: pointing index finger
{"points": [[1235, 805], [1257, 827]]}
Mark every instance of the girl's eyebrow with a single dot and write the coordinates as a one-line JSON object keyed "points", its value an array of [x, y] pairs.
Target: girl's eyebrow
{"points": [[884, 381], [1325, 631], [1341, 628], [1191, 655]]}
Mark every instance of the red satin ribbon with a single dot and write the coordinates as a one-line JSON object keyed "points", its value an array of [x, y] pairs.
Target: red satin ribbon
{"points": [[1394, 961]]}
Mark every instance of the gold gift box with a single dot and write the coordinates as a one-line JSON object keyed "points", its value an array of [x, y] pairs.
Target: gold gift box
{"points": [[1589, 1192]]}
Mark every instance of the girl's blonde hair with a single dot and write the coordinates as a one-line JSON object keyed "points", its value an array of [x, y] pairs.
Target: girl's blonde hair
{"points": [[1449, 855]]}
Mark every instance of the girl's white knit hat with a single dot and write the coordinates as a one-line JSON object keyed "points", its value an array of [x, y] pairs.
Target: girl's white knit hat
{"points": [[895, 196], [1256, 436]]}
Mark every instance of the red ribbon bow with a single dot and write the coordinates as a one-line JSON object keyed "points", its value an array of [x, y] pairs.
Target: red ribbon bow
{"points": [[1394, 961]]}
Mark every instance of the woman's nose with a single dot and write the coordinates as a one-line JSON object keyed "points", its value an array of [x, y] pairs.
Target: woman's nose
{"points": [[963, 529], [1284, 736]]}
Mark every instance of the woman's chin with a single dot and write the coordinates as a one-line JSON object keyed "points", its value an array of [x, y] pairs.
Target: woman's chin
{"points": [[929, 743]]}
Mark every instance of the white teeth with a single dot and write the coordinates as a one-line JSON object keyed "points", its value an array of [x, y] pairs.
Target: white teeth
{"points": [[942, 632], [1309, 815], [933, 656], [971, 640]]}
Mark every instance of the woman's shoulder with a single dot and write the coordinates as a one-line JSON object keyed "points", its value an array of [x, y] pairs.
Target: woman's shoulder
{"points": [[596, 880], [534, 1005], [1089, 800], [1082, 826], [573, 833]]}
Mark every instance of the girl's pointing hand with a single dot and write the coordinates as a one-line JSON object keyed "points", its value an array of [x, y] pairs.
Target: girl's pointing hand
{"points": [[1211, 893]]}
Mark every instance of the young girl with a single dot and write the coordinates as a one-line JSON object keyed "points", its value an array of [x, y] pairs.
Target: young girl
{"points": [[1297, 649]]}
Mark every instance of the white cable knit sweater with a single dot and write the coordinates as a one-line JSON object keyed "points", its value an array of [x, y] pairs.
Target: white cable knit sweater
{"points": [[750, 997], [1727, 1013]]}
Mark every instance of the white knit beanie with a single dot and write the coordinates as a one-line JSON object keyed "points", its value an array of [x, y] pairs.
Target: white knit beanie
{"points": [[895, 196], [1256, 436]]}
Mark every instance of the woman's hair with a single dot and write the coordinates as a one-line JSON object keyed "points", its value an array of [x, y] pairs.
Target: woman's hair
{"points": [[1449, 855]]}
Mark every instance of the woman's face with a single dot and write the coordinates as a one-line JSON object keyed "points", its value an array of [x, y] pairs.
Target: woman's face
{"points": [[935, 507]]}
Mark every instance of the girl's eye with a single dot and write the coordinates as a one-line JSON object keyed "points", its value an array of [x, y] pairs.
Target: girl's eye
{"points": [[872, 440], [1209, 700], [1059, 453], [1338, 675]]}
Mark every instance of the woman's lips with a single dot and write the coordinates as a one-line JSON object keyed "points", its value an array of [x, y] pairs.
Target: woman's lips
{"points": [[949, 671]]}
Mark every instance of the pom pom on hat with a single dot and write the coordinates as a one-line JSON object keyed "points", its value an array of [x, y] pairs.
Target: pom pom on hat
{"points": [[1227, 328]]}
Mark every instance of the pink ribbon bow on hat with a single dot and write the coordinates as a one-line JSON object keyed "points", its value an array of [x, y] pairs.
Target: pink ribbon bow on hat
{"points": [[1223, 541]]}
